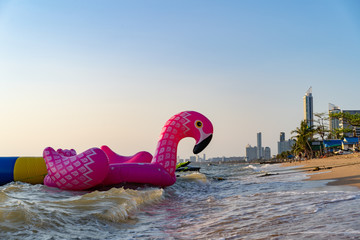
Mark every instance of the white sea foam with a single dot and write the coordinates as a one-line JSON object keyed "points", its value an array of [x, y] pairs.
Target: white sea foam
{"points": [[255, 168]]}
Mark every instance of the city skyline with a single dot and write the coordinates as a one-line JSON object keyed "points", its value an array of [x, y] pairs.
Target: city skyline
{"points": [[79, 74], [258, 152]]}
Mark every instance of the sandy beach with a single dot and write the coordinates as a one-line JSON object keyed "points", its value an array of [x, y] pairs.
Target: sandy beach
{"points": [[343, 169]]}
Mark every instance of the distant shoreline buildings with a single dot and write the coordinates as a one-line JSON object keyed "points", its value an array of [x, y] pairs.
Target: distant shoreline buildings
{"points": [[198, 159], [258, 152]]}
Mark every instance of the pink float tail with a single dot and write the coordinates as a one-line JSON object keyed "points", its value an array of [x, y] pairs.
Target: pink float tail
{"points": [[78, 172]]}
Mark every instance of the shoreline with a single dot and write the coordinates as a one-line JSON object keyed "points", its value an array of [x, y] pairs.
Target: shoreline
{"points": [[341, 169]]}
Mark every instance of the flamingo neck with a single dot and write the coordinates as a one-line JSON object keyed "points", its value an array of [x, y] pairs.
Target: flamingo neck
{"points": [[166, 151]]}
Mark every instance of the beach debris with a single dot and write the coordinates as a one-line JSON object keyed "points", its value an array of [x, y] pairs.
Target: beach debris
{"points": [[219, 178], [268, 174], [320, 168]]}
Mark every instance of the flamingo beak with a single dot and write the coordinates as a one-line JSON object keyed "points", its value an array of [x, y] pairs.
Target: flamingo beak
{"points": [[202, 145]]}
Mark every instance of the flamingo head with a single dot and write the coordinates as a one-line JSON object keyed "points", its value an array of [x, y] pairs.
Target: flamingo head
{"points": [[199, 127]]}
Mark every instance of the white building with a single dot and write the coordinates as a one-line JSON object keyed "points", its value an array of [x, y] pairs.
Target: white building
{"points": [[343, 124], [284, 145], [267, 154], [335, 123], [251, 153]]}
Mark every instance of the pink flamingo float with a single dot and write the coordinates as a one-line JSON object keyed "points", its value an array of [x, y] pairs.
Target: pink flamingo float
{"points": [[102, 166]]}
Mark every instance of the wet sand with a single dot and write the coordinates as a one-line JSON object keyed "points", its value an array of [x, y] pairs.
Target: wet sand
{"points": [[343, 169]]}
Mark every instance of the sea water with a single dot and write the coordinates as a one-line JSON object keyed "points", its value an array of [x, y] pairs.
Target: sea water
{"points": [[222, 201]]}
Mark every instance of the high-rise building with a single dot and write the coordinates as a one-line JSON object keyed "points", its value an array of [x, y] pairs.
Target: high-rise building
{"points": [[258, 152], [267, 154], [251, 153], [308, 108], [283, 145], [259, 148], [282, 137]]}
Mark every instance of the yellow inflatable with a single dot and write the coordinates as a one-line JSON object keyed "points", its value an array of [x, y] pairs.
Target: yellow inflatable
{"points": [[25, 169]]}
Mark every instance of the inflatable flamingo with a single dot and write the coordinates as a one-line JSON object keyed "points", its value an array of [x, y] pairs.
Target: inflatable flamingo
{"points": [[104, 167]]}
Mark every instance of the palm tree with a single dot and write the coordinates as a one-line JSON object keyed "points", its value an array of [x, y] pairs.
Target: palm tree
{"points": [[339, 133], [303, 136], [321, 129]]}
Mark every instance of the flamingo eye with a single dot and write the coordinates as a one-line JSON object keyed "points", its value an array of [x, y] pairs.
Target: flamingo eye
{"points": [[198, 124]]}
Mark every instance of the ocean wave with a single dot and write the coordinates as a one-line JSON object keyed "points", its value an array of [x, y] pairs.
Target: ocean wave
{"points": [[261, 167], [194, 177], [121, 203], [61, 210], [241, 205], [251, 167]]}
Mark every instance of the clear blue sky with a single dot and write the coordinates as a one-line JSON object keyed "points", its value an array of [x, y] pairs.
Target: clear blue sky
{"points": [[80, 74]]}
